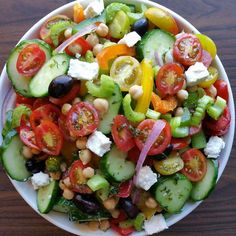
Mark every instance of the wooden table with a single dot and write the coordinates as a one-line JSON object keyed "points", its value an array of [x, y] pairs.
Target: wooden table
{"points": [[217, 215]]}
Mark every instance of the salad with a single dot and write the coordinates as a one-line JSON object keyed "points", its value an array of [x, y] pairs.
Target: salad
{"points": [[119, 116]]}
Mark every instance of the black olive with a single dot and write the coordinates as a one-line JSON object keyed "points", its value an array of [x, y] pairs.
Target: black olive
{"points": [[87, 203], [140, 26], [164, 154], [34, 166], [130, 209], [60, 86]]}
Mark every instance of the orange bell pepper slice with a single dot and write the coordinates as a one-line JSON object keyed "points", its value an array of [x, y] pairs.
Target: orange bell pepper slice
{"points": [[110, 53], [78, 13], [165, 105]]}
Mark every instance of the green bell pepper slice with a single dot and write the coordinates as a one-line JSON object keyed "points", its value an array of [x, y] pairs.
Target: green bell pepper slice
{"points": [[155, 115], [216, 110], [97, 182], [199, 140]]}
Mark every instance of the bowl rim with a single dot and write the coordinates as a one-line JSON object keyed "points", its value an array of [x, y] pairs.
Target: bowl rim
{"points": [[230, 134]]}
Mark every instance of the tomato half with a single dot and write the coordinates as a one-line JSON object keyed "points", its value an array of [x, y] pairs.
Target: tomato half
{"points": [[68, 97], [122, 133], [217, 127], [122, 231], [45, 112], [144, 129], [49, 138], [64, 128], [222, 89], [170, 79], [23, 100], [195, 165], [80, 46], [180, 143], [82, 119], [125, 189], [30, 60], [187, 49], [40, 102]]}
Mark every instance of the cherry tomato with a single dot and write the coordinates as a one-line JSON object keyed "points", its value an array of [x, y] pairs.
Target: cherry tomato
{"points": [[217, 127], [45, 31], [64, 128], [125, 189], [80, 46], [170, 79], [195, 165], [187, 49], [49, 138], [122, 231], [133, 155], [40, 102], [76, 173], [206, 58], [122, 133], [180, 143], [45, 112], [68, 97], [121, 217], [23, 100], [222, 89], [30, 60], [144, 129], [82, 119]]}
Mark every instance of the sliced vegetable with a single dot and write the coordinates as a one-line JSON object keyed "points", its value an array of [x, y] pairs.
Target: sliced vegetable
{"points": [[139, 221], [8, 123], [78, 13], [97, 182], [125, 189], [136, 16], [17, 113], [214, 74], [186, 117], [216, 110], [153, 114], [199, 140], [80, 46], [53, 163], [222, 89]]}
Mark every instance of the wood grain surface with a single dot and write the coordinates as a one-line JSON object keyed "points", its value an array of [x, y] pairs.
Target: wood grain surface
{"points": [[217, 215]]}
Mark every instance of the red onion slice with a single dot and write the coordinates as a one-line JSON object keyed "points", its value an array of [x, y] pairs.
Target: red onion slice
{"points": [[158, 59]]}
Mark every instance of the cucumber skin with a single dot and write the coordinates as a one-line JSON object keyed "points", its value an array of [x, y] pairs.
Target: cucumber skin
{"points": [[20, 47], [214, 181], [52, 199], [63, 205]]}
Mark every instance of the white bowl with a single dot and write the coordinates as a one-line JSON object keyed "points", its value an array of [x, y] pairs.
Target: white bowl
{"points": [[25, 189]]}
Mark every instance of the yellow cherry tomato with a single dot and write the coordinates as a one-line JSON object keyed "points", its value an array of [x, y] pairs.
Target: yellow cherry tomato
{"points": [[207, 44], [162, 19], [214, 74]]}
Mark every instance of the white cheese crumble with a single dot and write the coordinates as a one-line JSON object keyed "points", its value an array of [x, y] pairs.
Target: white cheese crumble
{"points": [[130, 39], [39, 180], [155, 225], [196, 74], [94, 8], [83, 70], [146, 178], [98, 143], [214, 147]]}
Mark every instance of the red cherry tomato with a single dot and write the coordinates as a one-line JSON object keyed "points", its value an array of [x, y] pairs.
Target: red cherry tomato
{"points": [[49, 138], [122, 231], [68, 97], [180, 143], [187, 49], [206, 58], [40, 102], [64, 128], [30, 60], [170, 79], [122, 134], [125, 189], [222, 89], [82, 119], [195, 165], [133, 154], [80, 46], [217, 127], [144, 128], [45, 112], [23, 100]]}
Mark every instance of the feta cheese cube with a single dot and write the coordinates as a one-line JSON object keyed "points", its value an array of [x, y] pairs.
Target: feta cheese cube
{"points": [[196, 74], [83, 70], [155, 225], [94, 8], [39, 180], [130, 39], [146, 178], [98, 143], [214, 147]]}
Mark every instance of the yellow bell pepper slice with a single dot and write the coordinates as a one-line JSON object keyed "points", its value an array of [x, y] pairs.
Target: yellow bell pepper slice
{"points": [[147, 81], [214, 74]]}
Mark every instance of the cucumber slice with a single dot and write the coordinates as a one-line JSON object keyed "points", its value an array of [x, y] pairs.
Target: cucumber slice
{"points": [[20, 82], [57, 65], [12, 159], [64, 206], [114, 105], [115, 167], [47, 196], [203, 188], [172, 192], [154, 41]]}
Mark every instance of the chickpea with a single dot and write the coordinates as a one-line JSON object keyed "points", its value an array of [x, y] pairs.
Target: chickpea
{"points": [[151, 203], [101, 105], [182, 95], [55, 175], [68, 194], [179, 111], [136, 92], [93, 225], [85, 156], [26, 152], [67, 182], [104, 225], [68, 33], [88, 172], [102, 30], [65, 108], [97, 48], [92, 39], [62, 185], [81, 142], [115, 213], [110, 203], [76, 100]]}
